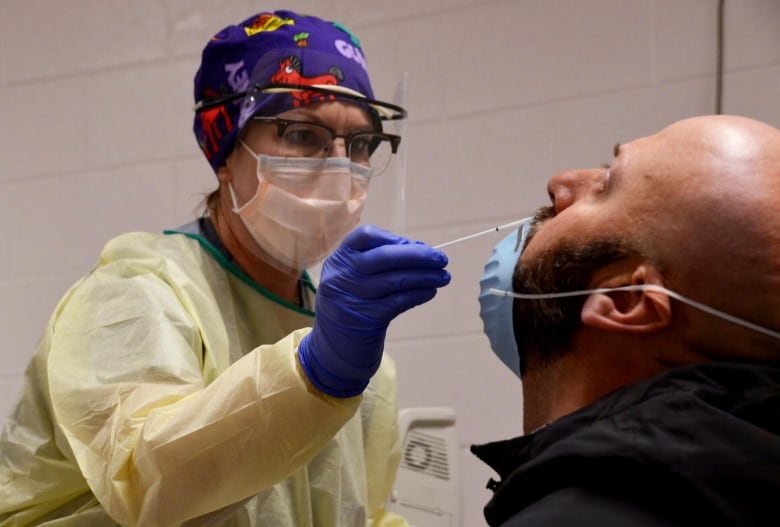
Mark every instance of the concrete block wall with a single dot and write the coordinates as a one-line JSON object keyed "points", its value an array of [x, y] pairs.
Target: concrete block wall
{"points": [[95, 99]]}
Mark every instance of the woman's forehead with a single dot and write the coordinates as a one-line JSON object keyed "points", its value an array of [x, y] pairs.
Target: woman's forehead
{"points": [[329, 111]]}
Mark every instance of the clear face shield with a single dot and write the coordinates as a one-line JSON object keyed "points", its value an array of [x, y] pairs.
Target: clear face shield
{"points": [[307, 201], [385, 203], [387, 200]]}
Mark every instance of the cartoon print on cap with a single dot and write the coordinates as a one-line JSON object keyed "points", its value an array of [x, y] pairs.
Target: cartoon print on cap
{"points": [[283, 48], [211, 130], [290, 73], [267, 22]]}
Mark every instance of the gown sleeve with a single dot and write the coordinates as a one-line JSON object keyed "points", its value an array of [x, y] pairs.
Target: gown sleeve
{"points": [[382, 444], [157, 441]]}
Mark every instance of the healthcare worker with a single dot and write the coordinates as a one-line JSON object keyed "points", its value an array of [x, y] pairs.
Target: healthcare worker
{"points": [[185, 379]]}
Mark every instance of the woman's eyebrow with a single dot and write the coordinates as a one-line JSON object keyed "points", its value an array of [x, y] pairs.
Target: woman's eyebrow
{"points": [[616, 149]]}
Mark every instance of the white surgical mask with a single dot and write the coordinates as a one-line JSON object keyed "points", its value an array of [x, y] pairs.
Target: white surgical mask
{"points": [[303, 207]]}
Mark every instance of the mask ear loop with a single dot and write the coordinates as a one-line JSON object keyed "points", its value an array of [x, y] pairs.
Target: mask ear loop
{"points": [[525, 230], [236, 208], [644, 287]]}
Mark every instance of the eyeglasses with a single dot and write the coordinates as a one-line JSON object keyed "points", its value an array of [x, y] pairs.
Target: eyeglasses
{"points": [[309, 139]]}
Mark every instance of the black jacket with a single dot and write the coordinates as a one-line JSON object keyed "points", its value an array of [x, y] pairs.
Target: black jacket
{"points": [[698, 445]]}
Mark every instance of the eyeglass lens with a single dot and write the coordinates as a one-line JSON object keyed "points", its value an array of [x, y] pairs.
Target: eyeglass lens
{"points": [[307, 139]]}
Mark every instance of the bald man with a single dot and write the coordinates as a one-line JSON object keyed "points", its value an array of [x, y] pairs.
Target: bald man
{"points": [[652, 397]]}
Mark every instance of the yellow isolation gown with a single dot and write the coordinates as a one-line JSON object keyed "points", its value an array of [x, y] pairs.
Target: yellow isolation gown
{"points": [[166, 390]]}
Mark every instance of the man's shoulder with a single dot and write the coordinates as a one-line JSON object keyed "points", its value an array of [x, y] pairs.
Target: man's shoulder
{"points": [[583, 507]]}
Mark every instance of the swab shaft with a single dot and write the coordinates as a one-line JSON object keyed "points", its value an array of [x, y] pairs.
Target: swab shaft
{"points": [[476, 234]]}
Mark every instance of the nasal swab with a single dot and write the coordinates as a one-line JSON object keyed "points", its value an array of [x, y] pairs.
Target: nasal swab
{"points": [[486, 231]]}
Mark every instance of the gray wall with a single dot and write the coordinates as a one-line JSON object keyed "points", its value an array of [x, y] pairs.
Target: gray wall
{"points": [[95, 100]]}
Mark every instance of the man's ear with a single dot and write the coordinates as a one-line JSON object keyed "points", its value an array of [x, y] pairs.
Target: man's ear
{"points": [[631, 311]]}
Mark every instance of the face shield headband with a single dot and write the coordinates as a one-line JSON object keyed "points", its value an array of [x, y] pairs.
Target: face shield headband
{"points": [[384, 110]]}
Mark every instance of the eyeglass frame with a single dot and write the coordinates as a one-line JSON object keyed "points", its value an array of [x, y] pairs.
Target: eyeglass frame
{"points": [[282, 123]]}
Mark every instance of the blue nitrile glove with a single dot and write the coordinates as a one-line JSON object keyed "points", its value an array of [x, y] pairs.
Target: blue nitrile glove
{"points": [[370, 279]]}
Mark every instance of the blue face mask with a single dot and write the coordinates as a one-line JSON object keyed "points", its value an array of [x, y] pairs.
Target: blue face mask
{"points": [[495, 310], [495, 298]]}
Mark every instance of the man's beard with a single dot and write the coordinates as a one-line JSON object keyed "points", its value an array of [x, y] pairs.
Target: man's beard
{"points": [[544, 328]]}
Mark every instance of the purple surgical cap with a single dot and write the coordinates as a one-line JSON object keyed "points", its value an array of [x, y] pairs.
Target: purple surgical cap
{"points": [[272, 48]]}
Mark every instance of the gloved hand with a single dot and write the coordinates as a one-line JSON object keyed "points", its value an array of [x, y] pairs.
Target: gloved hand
{"points": [[369, 280]]}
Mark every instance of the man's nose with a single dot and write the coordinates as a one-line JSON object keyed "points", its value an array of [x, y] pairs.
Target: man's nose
{"points": [[569, 187]]}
